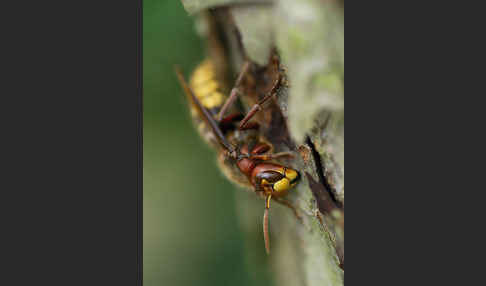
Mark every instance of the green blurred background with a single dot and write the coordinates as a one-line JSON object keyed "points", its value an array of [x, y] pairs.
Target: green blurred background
{"points": [[190, 229]]}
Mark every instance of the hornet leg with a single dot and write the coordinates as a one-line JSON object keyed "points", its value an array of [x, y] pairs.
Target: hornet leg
{"points": [[234, 92], [259, 106]]}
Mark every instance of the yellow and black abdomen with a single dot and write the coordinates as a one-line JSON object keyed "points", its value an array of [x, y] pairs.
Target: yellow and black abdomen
{"points": [[207, 88], [210, 92]]}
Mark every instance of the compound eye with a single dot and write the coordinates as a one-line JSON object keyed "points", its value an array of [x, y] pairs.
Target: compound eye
{"points": [[269, 176]]}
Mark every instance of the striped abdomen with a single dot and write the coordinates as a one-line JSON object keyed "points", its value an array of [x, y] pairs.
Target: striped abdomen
{"points": [[209, 91], [206, 87]]}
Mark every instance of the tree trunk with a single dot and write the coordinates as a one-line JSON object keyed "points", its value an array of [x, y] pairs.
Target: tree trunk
{"points": [[307, 118]]}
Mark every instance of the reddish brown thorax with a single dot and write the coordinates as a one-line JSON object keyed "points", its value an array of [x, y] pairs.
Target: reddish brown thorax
{"points": [[247, 165]]}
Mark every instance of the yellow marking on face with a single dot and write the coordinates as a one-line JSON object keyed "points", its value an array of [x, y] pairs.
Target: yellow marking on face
{"points": [[264, 182], [214, 100], [282, 185], [291, 174]]}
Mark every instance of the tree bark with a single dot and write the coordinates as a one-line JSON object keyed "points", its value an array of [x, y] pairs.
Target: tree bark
{"points": [[308, 118]]}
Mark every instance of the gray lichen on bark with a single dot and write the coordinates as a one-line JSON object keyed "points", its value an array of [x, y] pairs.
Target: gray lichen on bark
{"points": [[309, 36]]}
